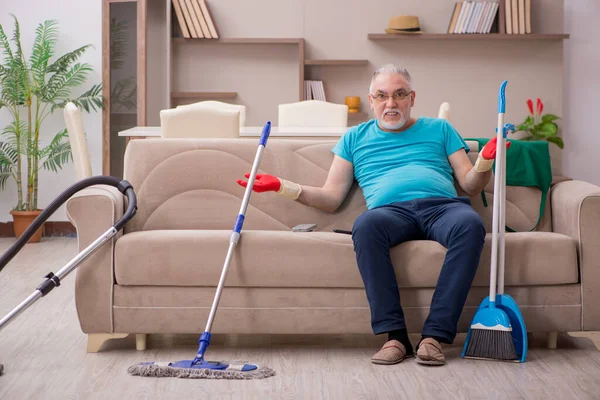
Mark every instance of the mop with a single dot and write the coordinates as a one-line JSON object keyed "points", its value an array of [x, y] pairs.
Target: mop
{"points": [[498, 331], [199, 368], [52, 280]]}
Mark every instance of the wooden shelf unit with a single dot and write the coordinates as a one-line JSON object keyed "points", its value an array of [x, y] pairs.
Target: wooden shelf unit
{"points": [[337, 62], [239, 41], [203, 95], [263, 41], [469, 36]]}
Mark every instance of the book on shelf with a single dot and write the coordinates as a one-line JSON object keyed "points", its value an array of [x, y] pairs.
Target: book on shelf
{"points": [[194, 19], [518, 16], [314, 90], [473, 17], [481, 17]]}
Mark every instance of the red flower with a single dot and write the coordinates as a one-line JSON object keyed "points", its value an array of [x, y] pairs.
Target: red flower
{"points": [[530, 106], [539, 107]]}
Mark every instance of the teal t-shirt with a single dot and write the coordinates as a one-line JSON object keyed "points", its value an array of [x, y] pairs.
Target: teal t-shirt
{"points": [[392, 167]]}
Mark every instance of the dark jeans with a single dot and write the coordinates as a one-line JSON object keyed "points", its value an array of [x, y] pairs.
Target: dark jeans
{"points": [[454, 224]]}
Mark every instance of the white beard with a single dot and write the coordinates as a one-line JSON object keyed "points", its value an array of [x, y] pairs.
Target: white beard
{"points": [[390, 126]]}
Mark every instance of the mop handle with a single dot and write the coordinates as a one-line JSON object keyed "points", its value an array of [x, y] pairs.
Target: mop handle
{"points": [[497, 184], [235, 234]]}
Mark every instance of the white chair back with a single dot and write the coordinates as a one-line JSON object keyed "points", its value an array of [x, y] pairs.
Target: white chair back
{"points": [[444, 112], [77, 139], [313, 113], [218, 105], [199, 122]]}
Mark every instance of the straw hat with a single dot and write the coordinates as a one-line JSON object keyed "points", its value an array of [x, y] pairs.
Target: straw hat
{"points": [[404, 24]]}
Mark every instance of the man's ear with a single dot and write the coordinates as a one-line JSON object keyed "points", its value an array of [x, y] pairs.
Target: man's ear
{"points": [[412, 98], [371, 105]]}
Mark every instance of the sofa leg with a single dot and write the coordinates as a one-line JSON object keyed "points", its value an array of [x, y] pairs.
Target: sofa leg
{"points": [[552, 340], [140, 341], [96, 340], [594, 336]]}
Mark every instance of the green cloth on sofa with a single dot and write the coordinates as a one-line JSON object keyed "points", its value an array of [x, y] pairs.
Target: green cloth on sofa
{"points": [[527, 164]]}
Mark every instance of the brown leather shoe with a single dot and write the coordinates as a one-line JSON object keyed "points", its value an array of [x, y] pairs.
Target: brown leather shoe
{"points": [[430, 353], [392, 352]]}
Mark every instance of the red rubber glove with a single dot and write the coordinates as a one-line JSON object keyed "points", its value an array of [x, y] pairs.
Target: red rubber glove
{"points": [[262, 183], [489, 150], [487, 155]]}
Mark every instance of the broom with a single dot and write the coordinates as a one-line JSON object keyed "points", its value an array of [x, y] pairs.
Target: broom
{"points": [[199, 368], [490, 334]]}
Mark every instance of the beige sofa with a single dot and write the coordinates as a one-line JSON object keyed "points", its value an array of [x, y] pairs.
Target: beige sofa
{"points": [[160, 275]]}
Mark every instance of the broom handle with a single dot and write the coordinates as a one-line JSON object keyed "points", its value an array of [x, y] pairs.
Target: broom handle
{"points": [[502, 224], [495, 223], [497, 193]]}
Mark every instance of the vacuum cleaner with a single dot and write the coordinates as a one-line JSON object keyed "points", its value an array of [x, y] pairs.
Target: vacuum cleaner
{"points": [[52, 280]]}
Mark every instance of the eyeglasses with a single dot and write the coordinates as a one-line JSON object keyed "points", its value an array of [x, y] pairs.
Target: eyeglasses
{"points": [[397, 96]]}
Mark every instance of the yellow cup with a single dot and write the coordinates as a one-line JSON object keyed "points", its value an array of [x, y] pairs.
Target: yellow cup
{"points": [[353, 103]]}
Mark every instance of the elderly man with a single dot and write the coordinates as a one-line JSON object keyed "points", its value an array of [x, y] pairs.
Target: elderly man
{"points": [[406, 168]]}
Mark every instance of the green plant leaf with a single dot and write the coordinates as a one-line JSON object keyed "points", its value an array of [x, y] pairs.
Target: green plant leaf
{"points": [[522, 128], [91, 99], [58, 157], [59, 84], [549, 118], [64, 62], [16, 133], [43, 49], [4, 177], [547, 129], [536, 133], [8, 161], [57, 153], [8, 154], [557, 141], [6, 50]]}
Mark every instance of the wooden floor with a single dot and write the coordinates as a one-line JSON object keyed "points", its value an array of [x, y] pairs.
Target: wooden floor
{"points": [[44, 355]]}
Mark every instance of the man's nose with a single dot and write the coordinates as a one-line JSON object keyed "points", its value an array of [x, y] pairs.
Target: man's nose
{"points": [[390, 102]]}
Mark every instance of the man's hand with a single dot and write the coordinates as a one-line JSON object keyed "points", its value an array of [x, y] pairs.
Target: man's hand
{"points": [[270, 183], [485, 159], [262, 183]]}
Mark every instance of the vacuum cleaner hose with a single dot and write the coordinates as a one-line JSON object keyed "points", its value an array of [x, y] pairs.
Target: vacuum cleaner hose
{"points": [[123, 186]]}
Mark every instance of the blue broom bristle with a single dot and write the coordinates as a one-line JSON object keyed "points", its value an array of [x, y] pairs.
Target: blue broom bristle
{"points": [[492, 344]]}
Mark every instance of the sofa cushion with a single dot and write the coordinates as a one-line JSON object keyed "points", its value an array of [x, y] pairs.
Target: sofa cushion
{"points": [[321, 259]]}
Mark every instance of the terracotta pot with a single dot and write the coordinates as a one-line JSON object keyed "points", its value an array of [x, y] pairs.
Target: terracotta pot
{"points": [[22, 220]]}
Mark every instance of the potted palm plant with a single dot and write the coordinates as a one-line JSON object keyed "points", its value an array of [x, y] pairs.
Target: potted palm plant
{"points": [[31, 89]]}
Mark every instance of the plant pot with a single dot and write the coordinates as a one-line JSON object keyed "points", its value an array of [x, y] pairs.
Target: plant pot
{"points": [[22, 221]]}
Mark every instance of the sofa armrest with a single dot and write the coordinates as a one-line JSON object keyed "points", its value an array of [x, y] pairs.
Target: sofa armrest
{"points": [[93, 211], [576, 213]]}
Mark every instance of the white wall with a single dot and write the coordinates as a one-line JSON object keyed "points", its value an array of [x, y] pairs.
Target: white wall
{"points": [[582, 84], [79, 23]]}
